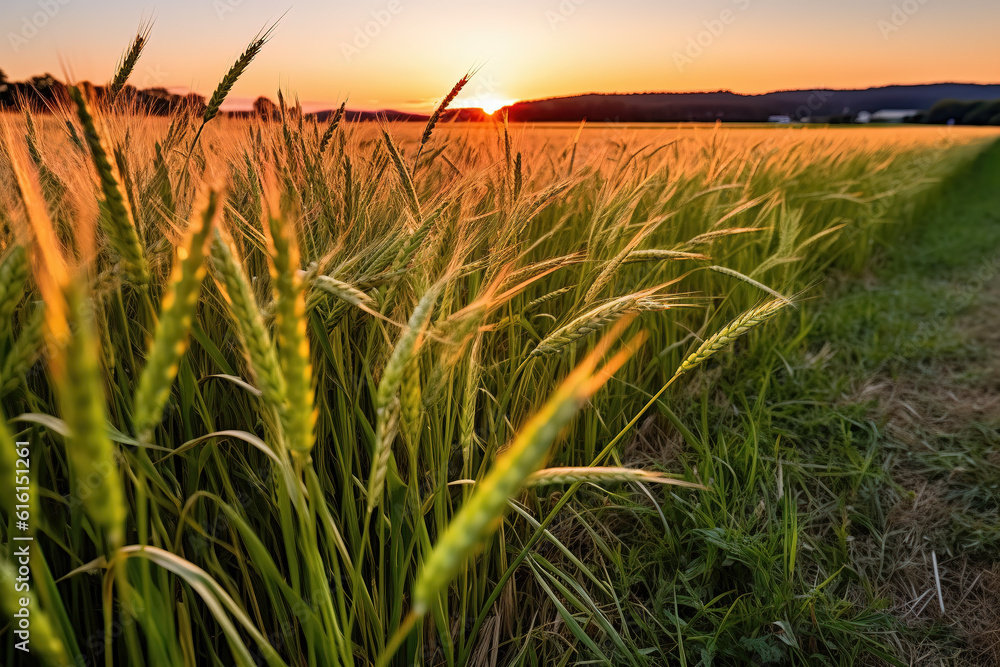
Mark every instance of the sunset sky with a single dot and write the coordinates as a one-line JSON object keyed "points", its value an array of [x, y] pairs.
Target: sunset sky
{"points": [[414, 50]]}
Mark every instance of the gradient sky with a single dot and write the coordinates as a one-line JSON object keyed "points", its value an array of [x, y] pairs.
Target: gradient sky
{"points": [[525, 48]]}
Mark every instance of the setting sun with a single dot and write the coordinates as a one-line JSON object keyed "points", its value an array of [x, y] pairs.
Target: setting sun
{"points": [[489, 104]]}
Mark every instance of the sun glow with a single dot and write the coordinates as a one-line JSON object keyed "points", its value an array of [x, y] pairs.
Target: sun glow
{"points": [[488, 104]]}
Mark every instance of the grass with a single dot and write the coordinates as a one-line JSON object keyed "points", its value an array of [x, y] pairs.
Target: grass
{"points": [[838, 494], [328, 396]]}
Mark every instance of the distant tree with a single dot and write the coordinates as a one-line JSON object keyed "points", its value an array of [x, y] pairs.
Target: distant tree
{"points": [[43, 83], [195, 103], [38, 91], [264, 108], [157, 101], [947, 110], [981, 113], [6, 94], [128, 92]]}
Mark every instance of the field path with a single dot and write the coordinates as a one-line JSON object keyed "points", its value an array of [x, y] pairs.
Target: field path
{"points": [[926, 332]]}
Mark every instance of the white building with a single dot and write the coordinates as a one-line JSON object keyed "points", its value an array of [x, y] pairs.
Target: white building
{"points": [[893, 115]]}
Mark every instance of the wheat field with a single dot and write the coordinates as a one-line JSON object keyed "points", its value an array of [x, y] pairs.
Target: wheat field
{"points": [[366, 393]]}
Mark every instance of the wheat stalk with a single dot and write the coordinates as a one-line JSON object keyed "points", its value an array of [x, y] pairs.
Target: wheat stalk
{"points": [[119, 224], [467, 416], [411, 404], [229, 80], [664, 255], [597, 318], [733, 273], [555, 294], [405, 179], [13, 275], [524, 456], [584, 325], [741, 326], [233, 75], [77, 376], [332, 127], [608, 272], [299, 416], [341, 290], [387, 404], [597, 475], [128, 61], [708, 237], [441, 108], [263, 356], [177, 311], [51, 184], [48, 263], [24, 351]]}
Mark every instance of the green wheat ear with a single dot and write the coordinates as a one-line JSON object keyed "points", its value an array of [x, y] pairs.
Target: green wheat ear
{"points": [[229, 80], [719, 341], [177, 311], [8, 471], [233, 75], [119, 224], [129, 59], [405, 179], [246, 314], [432, 121], [13, 275], [91, 454], [299, 416], [332, 127], [24, 351], [512, 469], [387, 402], [598, 475]]}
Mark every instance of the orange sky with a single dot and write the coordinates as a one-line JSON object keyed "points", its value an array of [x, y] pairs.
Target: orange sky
{"points": [[407, 53]]}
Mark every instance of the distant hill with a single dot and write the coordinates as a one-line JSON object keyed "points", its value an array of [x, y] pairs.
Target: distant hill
{"points": [[732, 107], [387, 114], [464, 115], [937, 103]]}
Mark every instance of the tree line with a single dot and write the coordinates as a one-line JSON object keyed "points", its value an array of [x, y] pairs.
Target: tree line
{"points": [[40, 92], [963, 112]]}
